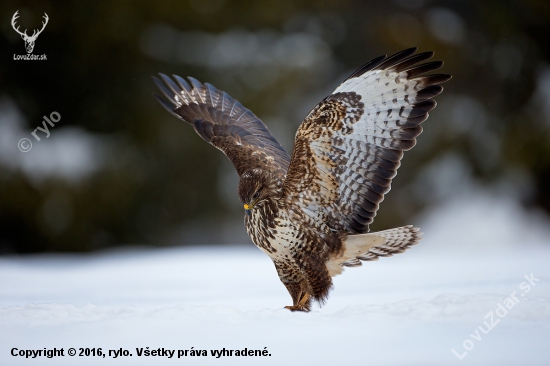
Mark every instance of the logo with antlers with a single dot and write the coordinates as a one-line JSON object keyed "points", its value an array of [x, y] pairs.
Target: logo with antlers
{"points": [[29, 40]]}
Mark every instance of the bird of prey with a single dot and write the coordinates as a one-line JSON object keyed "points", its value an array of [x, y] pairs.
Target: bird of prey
{"points": [[310, 213]]}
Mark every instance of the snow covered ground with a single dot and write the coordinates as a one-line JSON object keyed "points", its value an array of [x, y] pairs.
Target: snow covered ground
{"points": [[411, 309]]}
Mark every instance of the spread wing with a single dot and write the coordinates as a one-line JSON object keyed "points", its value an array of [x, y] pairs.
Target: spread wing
{"points": [[224, 123], [348, 148]]}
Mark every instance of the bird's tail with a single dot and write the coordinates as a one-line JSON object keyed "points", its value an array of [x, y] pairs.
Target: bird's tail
{"points": [[368, 247]]}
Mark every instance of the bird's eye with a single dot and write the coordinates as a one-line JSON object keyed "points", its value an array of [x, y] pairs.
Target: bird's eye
{"points": [[256, 195]]}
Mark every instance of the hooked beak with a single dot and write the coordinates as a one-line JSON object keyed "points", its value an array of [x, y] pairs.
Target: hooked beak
{"points": [[247, 209]]}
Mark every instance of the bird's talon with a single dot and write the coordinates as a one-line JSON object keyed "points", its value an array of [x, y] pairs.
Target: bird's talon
{"points": [[297, 308]]}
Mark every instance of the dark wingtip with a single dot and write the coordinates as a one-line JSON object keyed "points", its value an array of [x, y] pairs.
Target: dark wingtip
{"points": [[367, 67], [169, 94], [424, 68], [436, 78], [397, 58], [182, 82], [428, 92], [170, 83], [383, 62], [196, 84], [413, 60], [166, 105], [409, 50], [446, 77]]}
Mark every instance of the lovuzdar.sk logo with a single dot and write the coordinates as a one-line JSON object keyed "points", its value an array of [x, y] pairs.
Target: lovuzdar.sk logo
{"points": [[29, 40]]}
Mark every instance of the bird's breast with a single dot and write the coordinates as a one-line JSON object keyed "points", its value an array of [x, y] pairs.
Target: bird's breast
{"points": [[278, 238]]}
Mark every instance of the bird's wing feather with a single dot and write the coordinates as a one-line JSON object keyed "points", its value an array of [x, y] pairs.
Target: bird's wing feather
{"points": [[348, 148], [224, 123]]}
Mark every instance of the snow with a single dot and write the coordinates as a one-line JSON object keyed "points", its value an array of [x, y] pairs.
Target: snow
{"points": [[413, 308]]}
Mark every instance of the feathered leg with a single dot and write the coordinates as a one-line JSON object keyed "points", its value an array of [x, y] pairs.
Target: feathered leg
{"points": [[319, 282], [296, 286], [306, 279]]}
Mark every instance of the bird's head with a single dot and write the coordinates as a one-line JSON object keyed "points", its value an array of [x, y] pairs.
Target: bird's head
{"points": [[253, 189]]}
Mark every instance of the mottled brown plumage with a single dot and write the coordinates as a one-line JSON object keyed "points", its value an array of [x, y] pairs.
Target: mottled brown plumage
{"points": [[311, 213]]}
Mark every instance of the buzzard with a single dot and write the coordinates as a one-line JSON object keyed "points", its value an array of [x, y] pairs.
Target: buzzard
{"points": [[310, 213]]}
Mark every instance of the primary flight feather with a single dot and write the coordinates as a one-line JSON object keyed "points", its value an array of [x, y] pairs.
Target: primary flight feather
{"points": [[310, 213]]}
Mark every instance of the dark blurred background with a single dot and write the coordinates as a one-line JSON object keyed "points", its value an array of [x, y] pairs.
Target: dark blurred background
{"points": [[117, 169]]}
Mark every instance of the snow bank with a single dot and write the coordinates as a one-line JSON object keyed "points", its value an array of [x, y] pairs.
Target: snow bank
{"points": [[455, 290]]}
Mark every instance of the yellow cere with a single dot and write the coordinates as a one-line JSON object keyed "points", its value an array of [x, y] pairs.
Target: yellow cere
{"points": [[246, 207]]}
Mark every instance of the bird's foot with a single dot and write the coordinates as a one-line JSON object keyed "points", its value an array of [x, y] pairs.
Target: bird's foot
{"points": [[303, 305], [298, 308]]}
